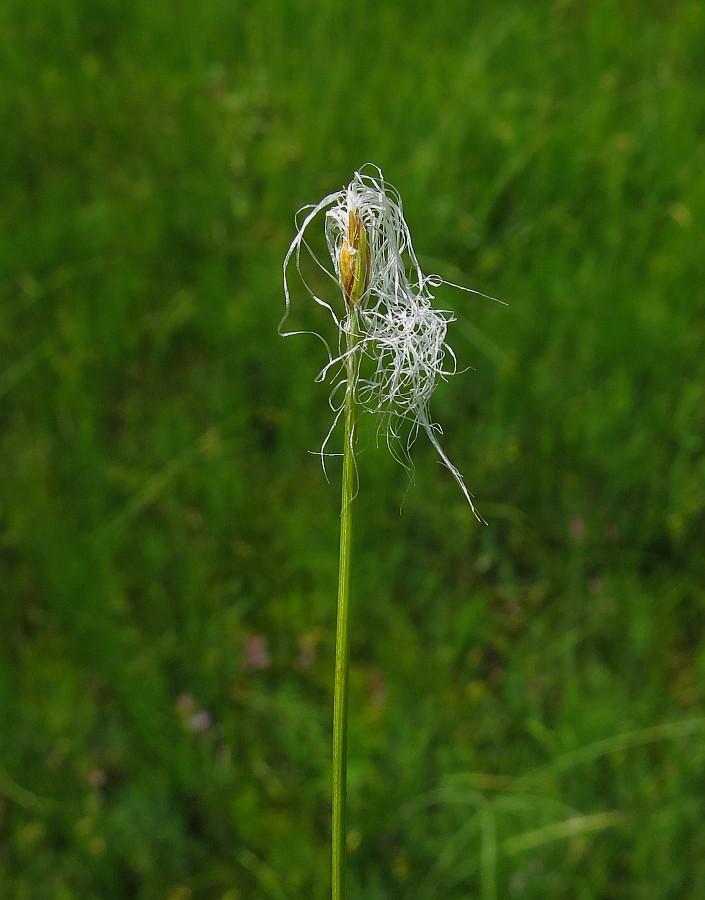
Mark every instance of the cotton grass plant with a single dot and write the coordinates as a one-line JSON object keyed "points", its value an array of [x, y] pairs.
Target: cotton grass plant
{"points": [[391, 350]]}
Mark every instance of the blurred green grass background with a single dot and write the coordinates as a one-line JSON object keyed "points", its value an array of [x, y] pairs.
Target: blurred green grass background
{"points": [[527, 706]]}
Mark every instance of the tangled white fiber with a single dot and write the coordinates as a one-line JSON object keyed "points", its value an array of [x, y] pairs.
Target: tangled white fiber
{"points": [[394, 322]]}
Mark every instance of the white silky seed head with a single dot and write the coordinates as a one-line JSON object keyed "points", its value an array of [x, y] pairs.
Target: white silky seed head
{"points": [[399, 330]]}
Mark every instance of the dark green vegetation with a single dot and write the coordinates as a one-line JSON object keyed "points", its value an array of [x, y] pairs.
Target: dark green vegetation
{"points": [[528, 697]]}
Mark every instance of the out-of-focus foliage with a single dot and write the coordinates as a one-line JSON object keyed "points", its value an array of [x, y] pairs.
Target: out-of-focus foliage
{"points": [[528, 697]]}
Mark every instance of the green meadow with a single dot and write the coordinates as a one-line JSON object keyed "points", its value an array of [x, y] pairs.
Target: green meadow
{"points": [[527, 706]]}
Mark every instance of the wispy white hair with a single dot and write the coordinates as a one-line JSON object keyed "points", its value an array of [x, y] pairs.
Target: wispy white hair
{"points": [[398, 328]]}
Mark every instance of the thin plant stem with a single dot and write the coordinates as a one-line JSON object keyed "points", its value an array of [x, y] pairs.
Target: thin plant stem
{"points": [[342, 639]]}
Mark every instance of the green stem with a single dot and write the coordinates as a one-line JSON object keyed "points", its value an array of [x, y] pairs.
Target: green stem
{"points": [[342, 640]]}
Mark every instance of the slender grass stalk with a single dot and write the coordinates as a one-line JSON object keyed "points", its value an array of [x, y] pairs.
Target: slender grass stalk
{"points": [[391, 322], [342, 637]]}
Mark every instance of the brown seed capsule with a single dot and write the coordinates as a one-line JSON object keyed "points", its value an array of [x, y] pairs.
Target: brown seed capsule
{"points": [[354, 259]]}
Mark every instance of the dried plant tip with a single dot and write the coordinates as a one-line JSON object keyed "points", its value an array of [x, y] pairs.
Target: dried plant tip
{"points": [[354, 263], [399, 335]]}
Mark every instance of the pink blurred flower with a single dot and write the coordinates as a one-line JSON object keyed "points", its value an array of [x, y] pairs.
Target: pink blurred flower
{"points": [[257, 655], [97, 778], [185, 703], [192, 719], [200, 721]]}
